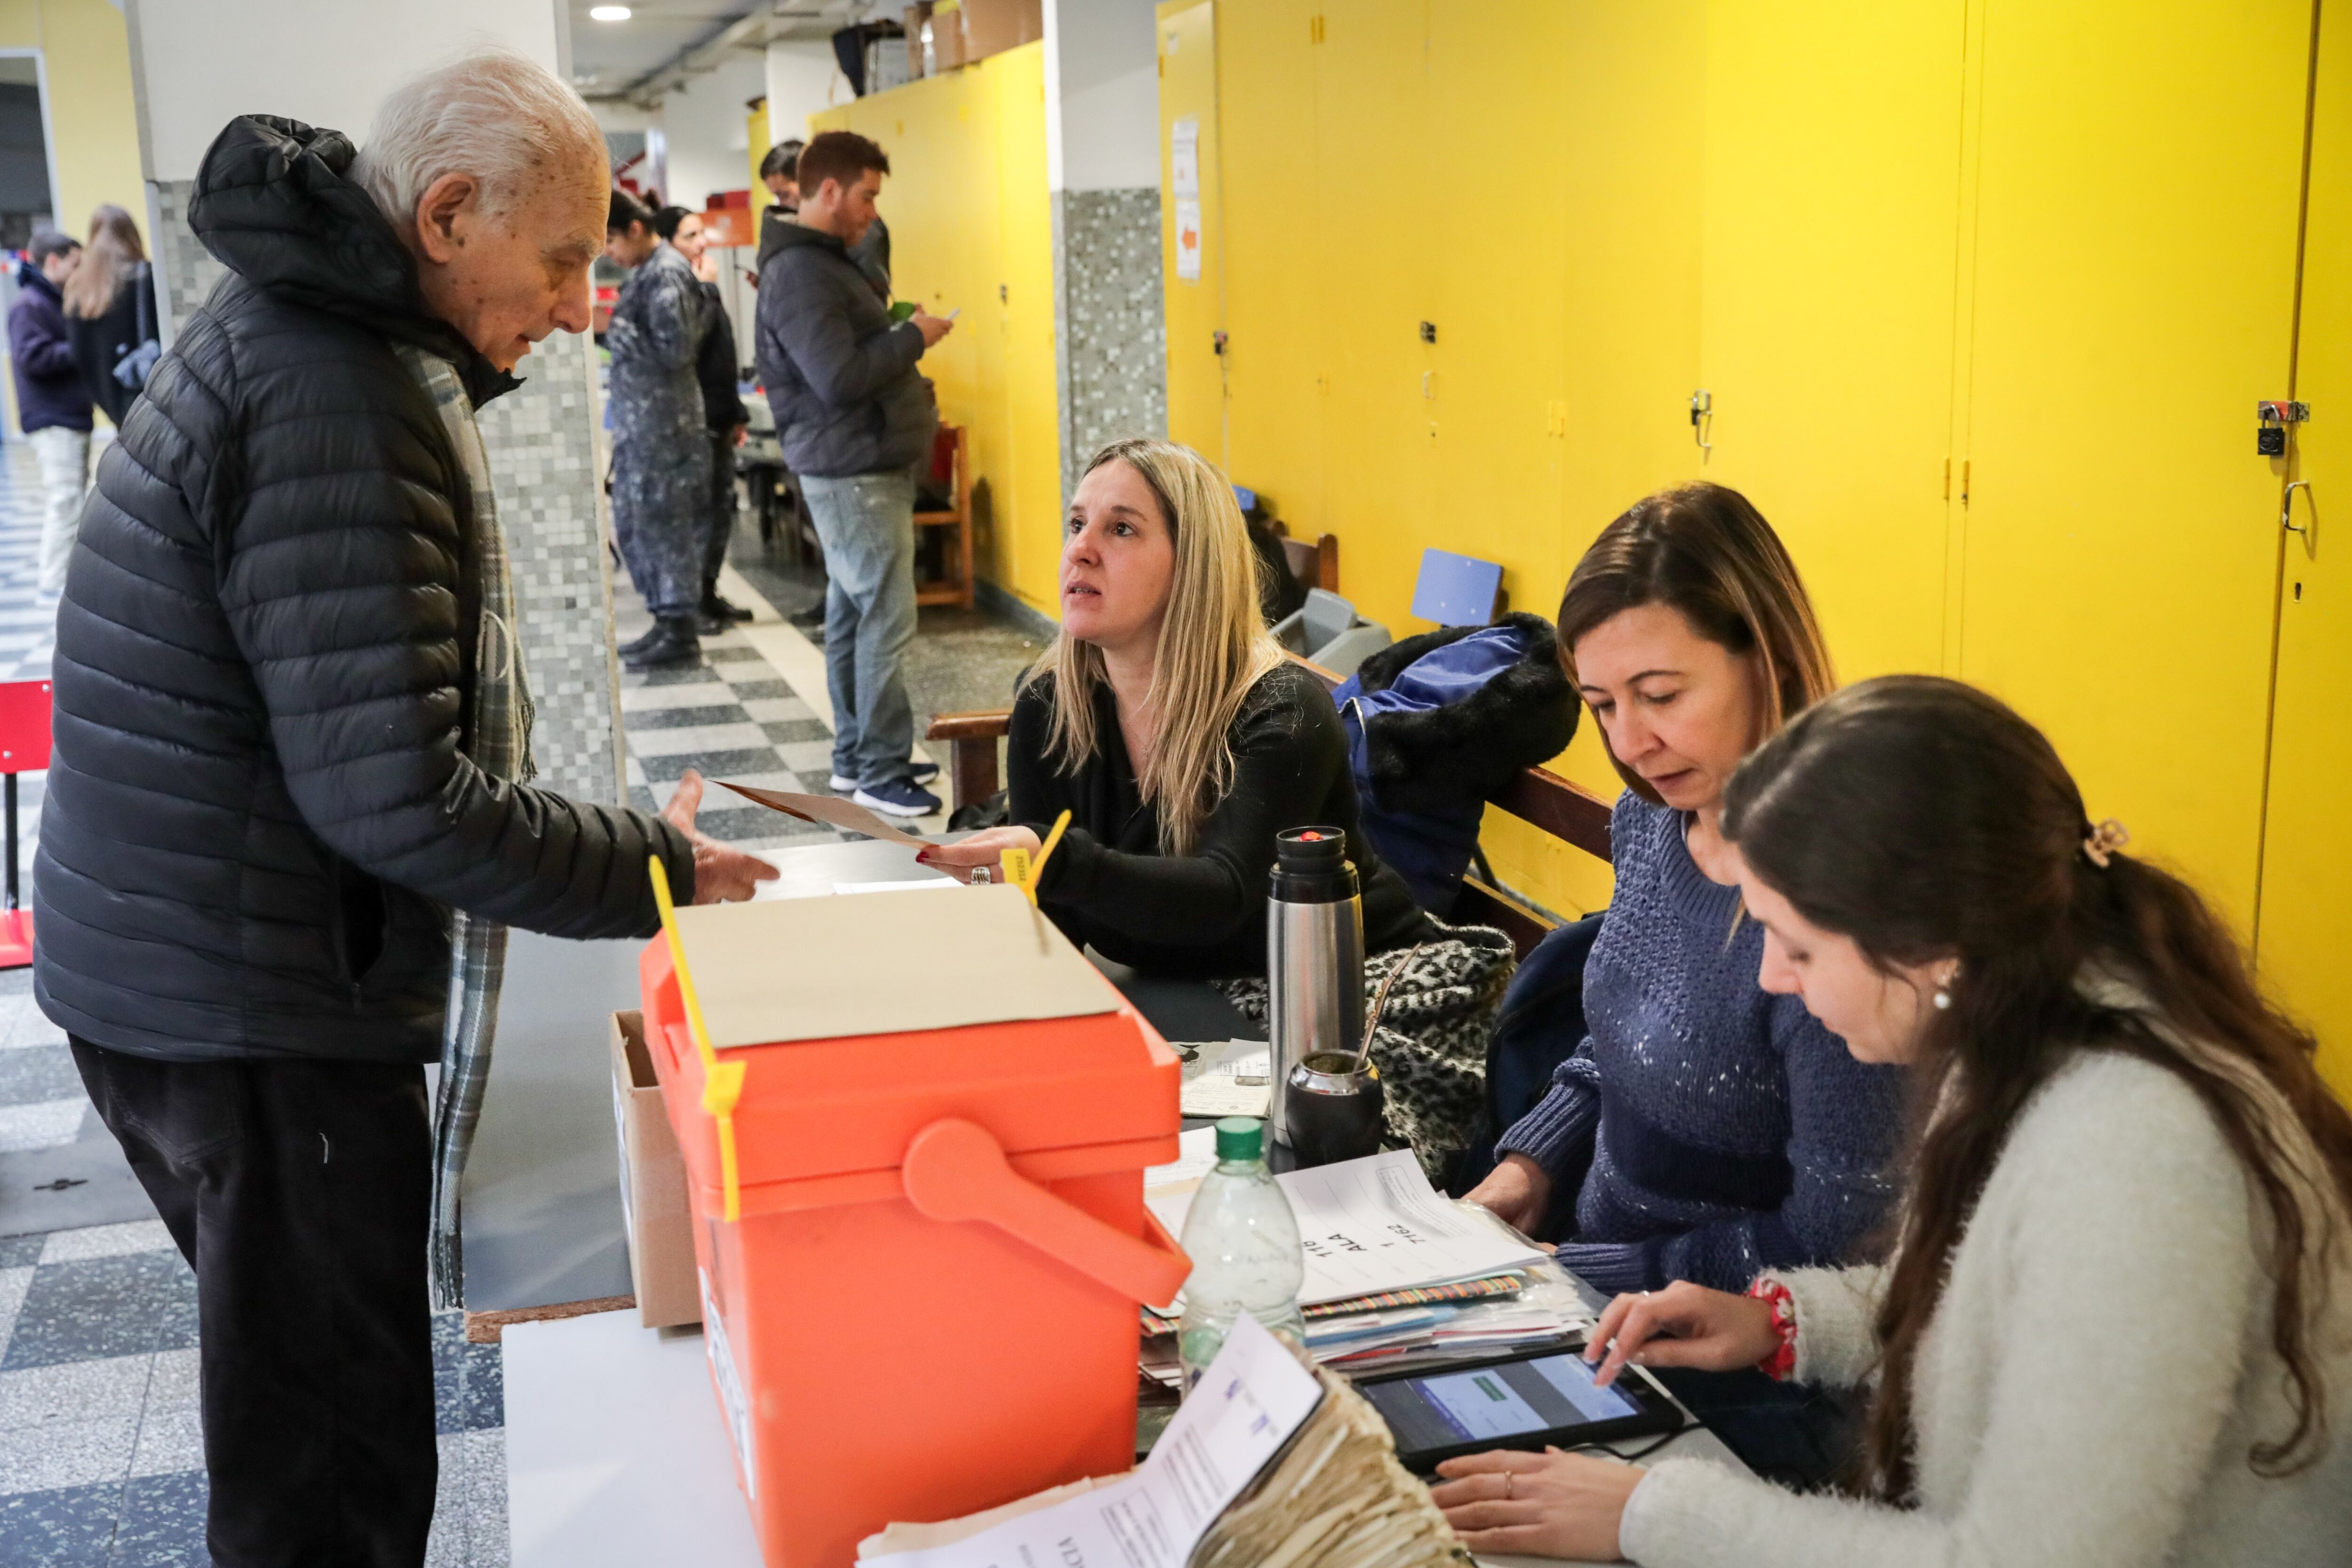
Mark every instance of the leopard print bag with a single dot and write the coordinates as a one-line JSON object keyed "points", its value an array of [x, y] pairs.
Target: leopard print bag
{"points": [[1431, 1041]]}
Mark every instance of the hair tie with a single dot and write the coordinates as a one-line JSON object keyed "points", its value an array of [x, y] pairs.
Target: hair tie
{"points": [[2105, 838]]}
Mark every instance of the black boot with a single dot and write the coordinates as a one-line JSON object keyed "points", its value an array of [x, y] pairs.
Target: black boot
{"points": [[714, 608], [675, 642], [639, 644]]}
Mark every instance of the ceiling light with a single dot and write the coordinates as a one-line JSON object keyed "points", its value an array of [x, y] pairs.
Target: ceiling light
{"points": [[608, 12]]}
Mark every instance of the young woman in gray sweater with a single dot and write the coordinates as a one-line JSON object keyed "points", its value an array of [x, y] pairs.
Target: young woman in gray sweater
{"points": [[2118, 1320]]}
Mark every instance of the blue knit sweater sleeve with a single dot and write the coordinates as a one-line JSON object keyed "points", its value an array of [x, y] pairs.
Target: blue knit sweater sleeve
{"points": [[1558, 1133], [1845, 1118]]}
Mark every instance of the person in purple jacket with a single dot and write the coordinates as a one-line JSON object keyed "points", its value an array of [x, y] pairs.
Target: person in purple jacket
{"points": [[52, 405], [1705, 1130]]}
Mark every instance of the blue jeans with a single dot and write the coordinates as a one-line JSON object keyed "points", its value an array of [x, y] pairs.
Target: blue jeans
{"points": [[866, 523]]}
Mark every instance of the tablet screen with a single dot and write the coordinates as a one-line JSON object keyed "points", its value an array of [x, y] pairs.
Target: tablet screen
{"points": [[1511, 1400]]}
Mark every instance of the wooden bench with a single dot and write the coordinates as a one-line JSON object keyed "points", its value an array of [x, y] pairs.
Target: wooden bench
{"points": [[1540, 797]]}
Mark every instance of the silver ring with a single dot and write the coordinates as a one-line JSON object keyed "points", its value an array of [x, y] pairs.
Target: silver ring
{"points": [[1508, 1478], [981, 876]]}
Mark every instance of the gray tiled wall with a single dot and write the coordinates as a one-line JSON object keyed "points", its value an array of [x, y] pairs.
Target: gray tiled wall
{"points": [[545, 464], [1111, 345]]}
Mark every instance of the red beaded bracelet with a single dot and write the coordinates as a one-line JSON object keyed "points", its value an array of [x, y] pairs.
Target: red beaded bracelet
{"points": [[1783, 1359]]}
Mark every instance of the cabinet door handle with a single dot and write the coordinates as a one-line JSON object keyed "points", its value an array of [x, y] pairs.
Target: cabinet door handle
{"points": [[2287, 508]]}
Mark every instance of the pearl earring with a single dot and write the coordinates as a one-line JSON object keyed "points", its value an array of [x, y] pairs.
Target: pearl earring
{"points": [[1943, 1000]]}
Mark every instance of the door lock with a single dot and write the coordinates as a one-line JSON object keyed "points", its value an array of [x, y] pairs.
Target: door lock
{"points": [[2270, 435]]}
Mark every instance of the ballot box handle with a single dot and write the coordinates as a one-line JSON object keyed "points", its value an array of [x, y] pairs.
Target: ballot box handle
{"points": [[956, 1170]]}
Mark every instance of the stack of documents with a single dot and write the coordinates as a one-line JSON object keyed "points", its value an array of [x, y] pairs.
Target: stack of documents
{"points": [[1396, 1275], [1266, 1462], [1228, 1078]]}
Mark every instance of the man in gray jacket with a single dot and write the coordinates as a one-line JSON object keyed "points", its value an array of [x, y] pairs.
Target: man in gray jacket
{"points": [[855, 420]]}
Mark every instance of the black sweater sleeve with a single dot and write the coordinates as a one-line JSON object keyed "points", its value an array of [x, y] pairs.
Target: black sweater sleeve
{"points": [[1287, 759]]}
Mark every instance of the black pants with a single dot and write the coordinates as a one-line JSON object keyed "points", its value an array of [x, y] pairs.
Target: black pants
{"points": [[723, 509], [1803, 1438], [299, 1192]]}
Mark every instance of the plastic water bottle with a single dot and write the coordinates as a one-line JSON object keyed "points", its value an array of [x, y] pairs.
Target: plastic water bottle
{"points": [[1243, 1243]]}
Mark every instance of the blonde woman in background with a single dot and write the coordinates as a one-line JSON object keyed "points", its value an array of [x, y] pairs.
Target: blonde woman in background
{"points": [[109, 303], [1170, 727]]}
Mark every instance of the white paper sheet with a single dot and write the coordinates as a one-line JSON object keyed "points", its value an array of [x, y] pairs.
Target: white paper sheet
{"points": [[919, 885], [1374, 1225], [1184, 158], [1196, 1156], [1187, 241], [1253, 1397], [1216, 1085]]}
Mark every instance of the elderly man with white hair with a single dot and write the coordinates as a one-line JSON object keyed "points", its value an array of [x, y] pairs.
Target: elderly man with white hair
{"points": [[290, 814]]}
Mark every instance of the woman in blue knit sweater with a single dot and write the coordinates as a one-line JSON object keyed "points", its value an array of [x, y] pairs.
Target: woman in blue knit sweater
{"points": [[1705, 1130]]}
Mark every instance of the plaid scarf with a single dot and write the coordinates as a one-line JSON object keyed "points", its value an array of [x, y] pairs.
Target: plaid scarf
{"points": [[498, 739]]}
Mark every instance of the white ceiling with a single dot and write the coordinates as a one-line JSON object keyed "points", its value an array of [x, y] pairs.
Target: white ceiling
{"points": [[609, 59]]}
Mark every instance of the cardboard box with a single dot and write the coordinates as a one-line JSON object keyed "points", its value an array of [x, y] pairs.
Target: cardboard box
{"points": [[913, 20], [950, 47], [992, 26], [653, 1185]]}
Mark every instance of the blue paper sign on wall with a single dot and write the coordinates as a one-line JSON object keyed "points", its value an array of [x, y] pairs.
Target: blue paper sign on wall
{"points": [[1456, 590]]}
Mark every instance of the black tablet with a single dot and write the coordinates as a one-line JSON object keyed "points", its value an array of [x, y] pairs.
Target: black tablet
{"points": [[1533, 1399]]}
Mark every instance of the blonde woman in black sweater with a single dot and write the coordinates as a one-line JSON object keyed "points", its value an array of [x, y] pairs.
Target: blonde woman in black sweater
{"points": [[1181, 741], [1169, 725]]}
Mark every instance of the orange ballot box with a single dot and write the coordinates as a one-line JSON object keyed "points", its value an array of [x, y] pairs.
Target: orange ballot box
{"points": [[915, 1127]]}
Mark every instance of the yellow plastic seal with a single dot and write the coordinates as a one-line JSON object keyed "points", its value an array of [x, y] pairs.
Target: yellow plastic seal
{"points": [[722, 1082]]}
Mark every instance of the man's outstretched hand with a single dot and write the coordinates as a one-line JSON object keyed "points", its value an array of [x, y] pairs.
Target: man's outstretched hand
{"points": [[721, 875]]}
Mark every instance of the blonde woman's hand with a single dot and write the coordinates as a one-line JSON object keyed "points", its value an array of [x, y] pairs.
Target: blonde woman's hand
{"points": [[1682, 1325], [1551, 1504], [985, 848], [1517, 1191]]}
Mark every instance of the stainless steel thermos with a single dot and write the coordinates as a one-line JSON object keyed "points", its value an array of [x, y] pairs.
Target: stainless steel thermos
{"points": [[1314, 957]]}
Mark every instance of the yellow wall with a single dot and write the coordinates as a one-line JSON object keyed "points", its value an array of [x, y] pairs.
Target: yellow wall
{"points": [[85, 49], [2308, 848], [972, 229], [755, 137], [1984, 293], [86, 62]]}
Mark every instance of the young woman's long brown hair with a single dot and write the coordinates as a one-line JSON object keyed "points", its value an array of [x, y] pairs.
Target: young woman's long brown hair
{"points": [[1706, 550], [114, 250], [1924, 820]]}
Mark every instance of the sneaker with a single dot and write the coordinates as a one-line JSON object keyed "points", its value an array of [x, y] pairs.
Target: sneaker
{"points": [[899, 798], [841, 783], [915, 774]]}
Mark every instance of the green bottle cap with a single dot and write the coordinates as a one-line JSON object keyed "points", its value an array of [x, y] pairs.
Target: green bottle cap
{"points": [[1240, 1138]]}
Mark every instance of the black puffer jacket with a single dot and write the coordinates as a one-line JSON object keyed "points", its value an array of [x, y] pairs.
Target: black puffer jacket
{"points": [[259, 803]]}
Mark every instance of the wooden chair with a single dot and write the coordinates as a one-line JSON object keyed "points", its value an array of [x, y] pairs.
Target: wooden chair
{"points": [[1315, 565], [1540, 797], [958, 587]]}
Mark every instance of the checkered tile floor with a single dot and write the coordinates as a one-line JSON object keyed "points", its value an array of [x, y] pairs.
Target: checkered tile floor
{"points": [[100, 1460], [731, 717]]}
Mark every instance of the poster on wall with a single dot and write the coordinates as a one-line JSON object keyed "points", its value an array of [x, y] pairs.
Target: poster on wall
{"points": [[1184, 158], [1187, 241]]}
